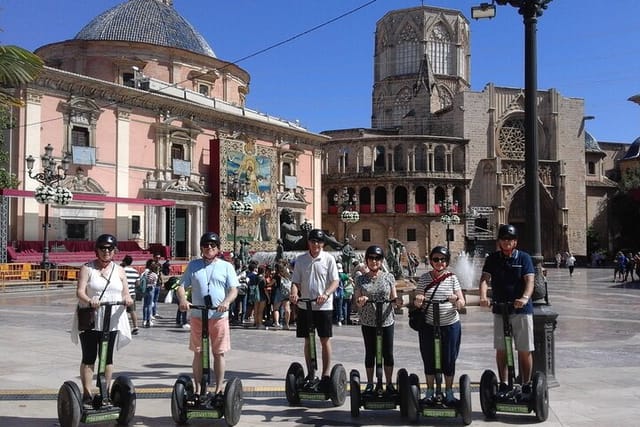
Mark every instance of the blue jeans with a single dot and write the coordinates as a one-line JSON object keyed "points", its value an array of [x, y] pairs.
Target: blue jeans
{"points": [[147, 306], [338, 314], [156, 296]]}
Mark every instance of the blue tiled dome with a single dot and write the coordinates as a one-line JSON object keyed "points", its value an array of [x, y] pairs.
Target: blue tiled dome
{"points": [[146, 21]]}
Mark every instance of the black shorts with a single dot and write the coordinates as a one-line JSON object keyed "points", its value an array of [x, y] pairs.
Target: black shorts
{"points": [[322, 320]]}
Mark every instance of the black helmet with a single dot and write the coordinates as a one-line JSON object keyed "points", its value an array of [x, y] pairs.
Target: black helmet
{"points": [[374, 251], [441, 250], [316, 234], [210, 237], [106, 240], [507, 231]]}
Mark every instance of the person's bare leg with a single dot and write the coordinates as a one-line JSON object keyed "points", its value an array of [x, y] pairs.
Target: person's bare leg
{"points": [[219, 365], [197, 370], [326, 355], [86, 377]]}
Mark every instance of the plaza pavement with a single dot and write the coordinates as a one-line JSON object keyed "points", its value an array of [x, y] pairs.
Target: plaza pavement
{"points": [[597, 361]]}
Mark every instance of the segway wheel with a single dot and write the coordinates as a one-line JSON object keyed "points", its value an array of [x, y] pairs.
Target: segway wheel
{"points": [[488, 393], [123, 395], [293, 383], [338, 385], [69, 404], [540, 393], [233, 401], [354, 392], [403, 390], [182, 391], [465, 399], [413, 400]]}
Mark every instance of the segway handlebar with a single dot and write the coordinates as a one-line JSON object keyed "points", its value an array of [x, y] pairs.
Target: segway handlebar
{"points": [[105, 303], [202, 307]]}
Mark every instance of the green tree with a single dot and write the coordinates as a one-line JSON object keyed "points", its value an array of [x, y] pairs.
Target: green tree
{"points": [[626, 210], [18, 66]]}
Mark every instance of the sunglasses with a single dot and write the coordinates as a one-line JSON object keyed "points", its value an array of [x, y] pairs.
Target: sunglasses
{"points": [[375, 258], [439, 259], [107, 248], [209, 245]]}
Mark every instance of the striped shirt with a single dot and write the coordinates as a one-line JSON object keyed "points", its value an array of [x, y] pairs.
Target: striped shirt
{"points": [[448, 313], [132, 277]]}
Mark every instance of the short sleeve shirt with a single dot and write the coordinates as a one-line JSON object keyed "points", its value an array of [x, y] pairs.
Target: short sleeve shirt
{"points": [[376, 290], [213, 279], [314, 275], [507, 277]]}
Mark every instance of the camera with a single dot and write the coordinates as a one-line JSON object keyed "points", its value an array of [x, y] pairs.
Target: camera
{"points": [[207, 301]]}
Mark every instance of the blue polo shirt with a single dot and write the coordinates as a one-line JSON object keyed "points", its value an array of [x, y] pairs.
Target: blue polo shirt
{"points": [[213, 279], [507, 277]]}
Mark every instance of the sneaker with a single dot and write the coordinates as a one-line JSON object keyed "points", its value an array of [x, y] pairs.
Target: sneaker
{"points": [[503, 388], [429, 394], [87, 401], [391, 389], [448, 397], [146, 324], [526, 388], [285, 327], [186, 327], [134, 331], [151, 322], [157, 316], [325, 384], [368, 388]]}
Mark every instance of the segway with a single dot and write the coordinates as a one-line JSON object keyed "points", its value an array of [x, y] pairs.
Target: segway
{"points": [[513, 399], [187, 405], [119, 405], [378, 398], [298, 387], [437, 405]]}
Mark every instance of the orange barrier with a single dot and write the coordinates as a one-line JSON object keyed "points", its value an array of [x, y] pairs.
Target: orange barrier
{"points": [[24, 275]]}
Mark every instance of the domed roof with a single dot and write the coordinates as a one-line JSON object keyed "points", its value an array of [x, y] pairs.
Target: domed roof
{"points": [[590, 143], [146, 21], [634, 150]]}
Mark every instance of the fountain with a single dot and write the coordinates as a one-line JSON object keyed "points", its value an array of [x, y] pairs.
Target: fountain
{"points": [[468, 269]]}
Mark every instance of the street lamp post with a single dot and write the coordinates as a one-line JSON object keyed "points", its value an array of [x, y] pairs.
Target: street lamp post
{"points": [[544, 317], [348, 213], [49, 191], [449, 218]]}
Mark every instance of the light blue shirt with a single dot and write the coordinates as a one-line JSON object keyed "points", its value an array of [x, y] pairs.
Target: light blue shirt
{"points": [[214, 279]]}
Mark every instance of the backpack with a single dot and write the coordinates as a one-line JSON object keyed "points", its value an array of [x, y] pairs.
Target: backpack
{"points": [[142, 283], [285, 287]]}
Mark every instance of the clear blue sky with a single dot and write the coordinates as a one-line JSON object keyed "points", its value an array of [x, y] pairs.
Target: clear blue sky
{"points": [[586, 49]]}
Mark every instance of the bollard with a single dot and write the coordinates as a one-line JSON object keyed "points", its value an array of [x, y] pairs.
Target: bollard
{"points": [[544, 326]]}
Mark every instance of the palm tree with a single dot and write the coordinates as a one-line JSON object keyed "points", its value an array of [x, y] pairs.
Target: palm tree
{"points": [[17, 66]]}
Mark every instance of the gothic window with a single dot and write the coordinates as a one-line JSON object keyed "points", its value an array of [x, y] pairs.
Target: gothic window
{"points": [[407, 52], [511, 139], [440, 50], [401, 105]]}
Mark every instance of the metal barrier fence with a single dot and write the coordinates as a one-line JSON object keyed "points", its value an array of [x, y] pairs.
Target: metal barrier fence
{"points": [[24, 275]]}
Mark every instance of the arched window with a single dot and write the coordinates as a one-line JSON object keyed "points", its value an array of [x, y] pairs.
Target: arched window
{"points": [[380, 155], [400, 200], [407, 52], [398, 158], [421, 199], [401, 105], [440, 161], [421, 158], [380, 200], [441, 50], [365, 200], [332, 205]]}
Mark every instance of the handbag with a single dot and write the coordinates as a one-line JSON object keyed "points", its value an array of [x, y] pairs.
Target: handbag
{"points": [[418, 317], [87, 315]]}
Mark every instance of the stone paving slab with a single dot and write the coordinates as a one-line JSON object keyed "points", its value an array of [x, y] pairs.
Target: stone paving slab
{"points": [[597, 362]]}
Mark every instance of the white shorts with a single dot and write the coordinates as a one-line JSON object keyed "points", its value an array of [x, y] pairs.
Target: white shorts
{"points": [[522, 327]]}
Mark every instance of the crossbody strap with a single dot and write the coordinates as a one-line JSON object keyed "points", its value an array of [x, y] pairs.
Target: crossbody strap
{"points": [[113, 267]]}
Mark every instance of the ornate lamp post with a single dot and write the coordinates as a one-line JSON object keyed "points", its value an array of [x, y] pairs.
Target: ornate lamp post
{"points": [[544, 317], [449, 218], [348, 213], [49, 191]]}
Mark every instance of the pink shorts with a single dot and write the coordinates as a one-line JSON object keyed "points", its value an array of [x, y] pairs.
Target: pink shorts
{"points": [[218, 335]]}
